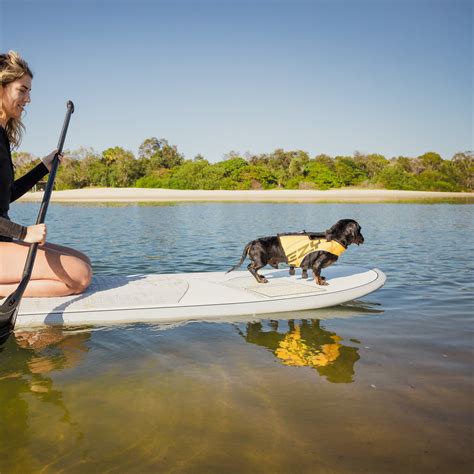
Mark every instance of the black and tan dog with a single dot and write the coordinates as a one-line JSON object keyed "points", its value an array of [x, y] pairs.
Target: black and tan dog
{"points": [[304, 249]]}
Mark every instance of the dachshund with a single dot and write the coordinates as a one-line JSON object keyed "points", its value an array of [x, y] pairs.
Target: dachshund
{"points": [[304, 249]]}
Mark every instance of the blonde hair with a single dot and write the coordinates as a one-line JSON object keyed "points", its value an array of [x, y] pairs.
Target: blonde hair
{"points": [[12, 67]]}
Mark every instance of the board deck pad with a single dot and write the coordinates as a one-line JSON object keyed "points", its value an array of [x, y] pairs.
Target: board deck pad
{"points": [[106, 292], [277, 288], [198, 295]]}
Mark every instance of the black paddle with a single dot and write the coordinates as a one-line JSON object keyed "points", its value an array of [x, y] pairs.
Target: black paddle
{"points": [[9, 308]]}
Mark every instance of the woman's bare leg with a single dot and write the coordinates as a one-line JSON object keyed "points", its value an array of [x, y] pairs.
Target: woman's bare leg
{"points": [[68, 251], [55, 273]]}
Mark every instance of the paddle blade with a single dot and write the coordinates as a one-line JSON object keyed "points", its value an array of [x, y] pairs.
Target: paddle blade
{"points": [[8, 313]]}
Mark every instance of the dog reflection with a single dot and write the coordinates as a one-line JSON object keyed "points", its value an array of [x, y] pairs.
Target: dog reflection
{"points": [[306, 344]]}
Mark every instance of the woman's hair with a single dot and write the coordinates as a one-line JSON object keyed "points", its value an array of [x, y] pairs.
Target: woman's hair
{"points": [[12, 67]]}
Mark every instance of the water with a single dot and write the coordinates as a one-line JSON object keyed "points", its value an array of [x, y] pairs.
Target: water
{"points": [[384, 384]]}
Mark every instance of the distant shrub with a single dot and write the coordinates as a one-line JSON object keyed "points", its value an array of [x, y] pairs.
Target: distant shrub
{"points": [[395, 177]]}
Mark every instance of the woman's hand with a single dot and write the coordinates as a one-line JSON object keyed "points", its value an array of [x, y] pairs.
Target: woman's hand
{"points": [[35, 233], [48, 160]]}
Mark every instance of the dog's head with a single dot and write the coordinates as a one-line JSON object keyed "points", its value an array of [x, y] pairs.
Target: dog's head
{"points": [[346, 232]]}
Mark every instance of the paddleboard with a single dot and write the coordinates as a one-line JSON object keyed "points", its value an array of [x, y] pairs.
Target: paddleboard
{"points": [[196, 296]]}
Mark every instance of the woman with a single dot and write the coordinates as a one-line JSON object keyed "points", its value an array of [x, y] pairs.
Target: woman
{"points": [[58, 271]]}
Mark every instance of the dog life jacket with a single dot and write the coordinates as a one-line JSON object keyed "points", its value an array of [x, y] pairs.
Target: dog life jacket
{"points": [[297, 246]]}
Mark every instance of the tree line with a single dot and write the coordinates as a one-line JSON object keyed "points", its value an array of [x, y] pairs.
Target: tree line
{"points": [[160, 165]]}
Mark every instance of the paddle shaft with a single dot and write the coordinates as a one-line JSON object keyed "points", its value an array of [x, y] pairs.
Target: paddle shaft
{"points": [[9, 308], [30, 259]]}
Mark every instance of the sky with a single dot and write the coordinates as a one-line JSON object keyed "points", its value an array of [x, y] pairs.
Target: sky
{"points": [[392, 77]]}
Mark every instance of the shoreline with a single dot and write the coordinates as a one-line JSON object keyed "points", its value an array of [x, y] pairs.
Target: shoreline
{"points": [[274, 195]]}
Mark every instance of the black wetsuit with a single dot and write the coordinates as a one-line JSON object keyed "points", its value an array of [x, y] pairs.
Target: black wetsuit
{"points": [[10, 190]]}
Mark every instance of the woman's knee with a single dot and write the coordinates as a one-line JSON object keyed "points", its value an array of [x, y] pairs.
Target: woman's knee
{"points": [[82, 277], [85, 277]]}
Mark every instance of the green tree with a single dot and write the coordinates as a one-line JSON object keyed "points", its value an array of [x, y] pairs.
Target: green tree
{"points": [[347, 171], [396, 177], [258, 177], [432, 180], [278, 163], [372, 165], [159, 179], [67, 175], [124, 172], [231, 171], [431, 161], [85, 176], [121, 167], [463, 167], [405, 163], [192, 175], [97, 172], [326, 160], [151, 146], [297, 164], [157, 154], [320, 175]]}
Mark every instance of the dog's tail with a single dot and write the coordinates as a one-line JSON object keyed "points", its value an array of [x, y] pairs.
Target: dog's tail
{"points": [[244, 256]]}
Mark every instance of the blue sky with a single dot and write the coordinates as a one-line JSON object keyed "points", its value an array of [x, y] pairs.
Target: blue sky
{"points": [[325, 76]]}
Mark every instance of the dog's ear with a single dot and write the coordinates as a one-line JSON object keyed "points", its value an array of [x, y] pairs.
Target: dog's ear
{"points": [[329, 233], [353, 231]]}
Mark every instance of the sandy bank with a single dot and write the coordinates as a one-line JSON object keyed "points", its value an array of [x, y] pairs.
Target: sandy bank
{"points": [[280, 195]]}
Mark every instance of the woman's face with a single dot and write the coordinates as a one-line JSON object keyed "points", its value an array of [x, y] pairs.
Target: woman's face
{"points": [[15, 96]]}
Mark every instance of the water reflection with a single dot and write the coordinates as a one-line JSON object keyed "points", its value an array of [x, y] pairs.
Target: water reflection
{"points": [[305, 343], [26, 377]]}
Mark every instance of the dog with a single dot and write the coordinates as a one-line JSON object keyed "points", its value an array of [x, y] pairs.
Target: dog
{"points": [[313, 250]]}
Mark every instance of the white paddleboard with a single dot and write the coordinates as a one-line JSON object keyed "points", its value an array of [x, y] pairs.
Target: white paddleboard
{"points": [[194, 296]]}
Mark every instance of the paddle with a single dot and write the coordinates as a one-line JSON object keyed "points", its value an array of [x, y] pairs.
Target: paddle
{"points": [[9, 308]]}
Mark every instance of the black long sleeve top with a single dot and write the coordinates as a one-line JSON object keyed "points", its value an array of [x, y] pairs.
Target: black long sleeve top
{"points": [[11, 189]]}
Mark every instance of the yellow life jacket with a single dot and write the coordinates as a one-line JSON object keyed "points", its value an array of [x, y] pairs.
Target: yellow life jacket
{"points": [[297, 246]]}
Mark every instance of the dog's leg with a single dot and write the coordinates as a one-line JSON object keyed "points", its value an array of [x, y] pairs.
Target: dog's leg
{"points": [[305, 264], [320, 280], [317, 267], [321, 260], [253, 270]]}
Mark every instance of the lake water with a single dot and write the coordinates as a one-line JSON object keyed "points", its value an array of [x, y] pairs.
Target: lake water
{"points": [[381, 385]]}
